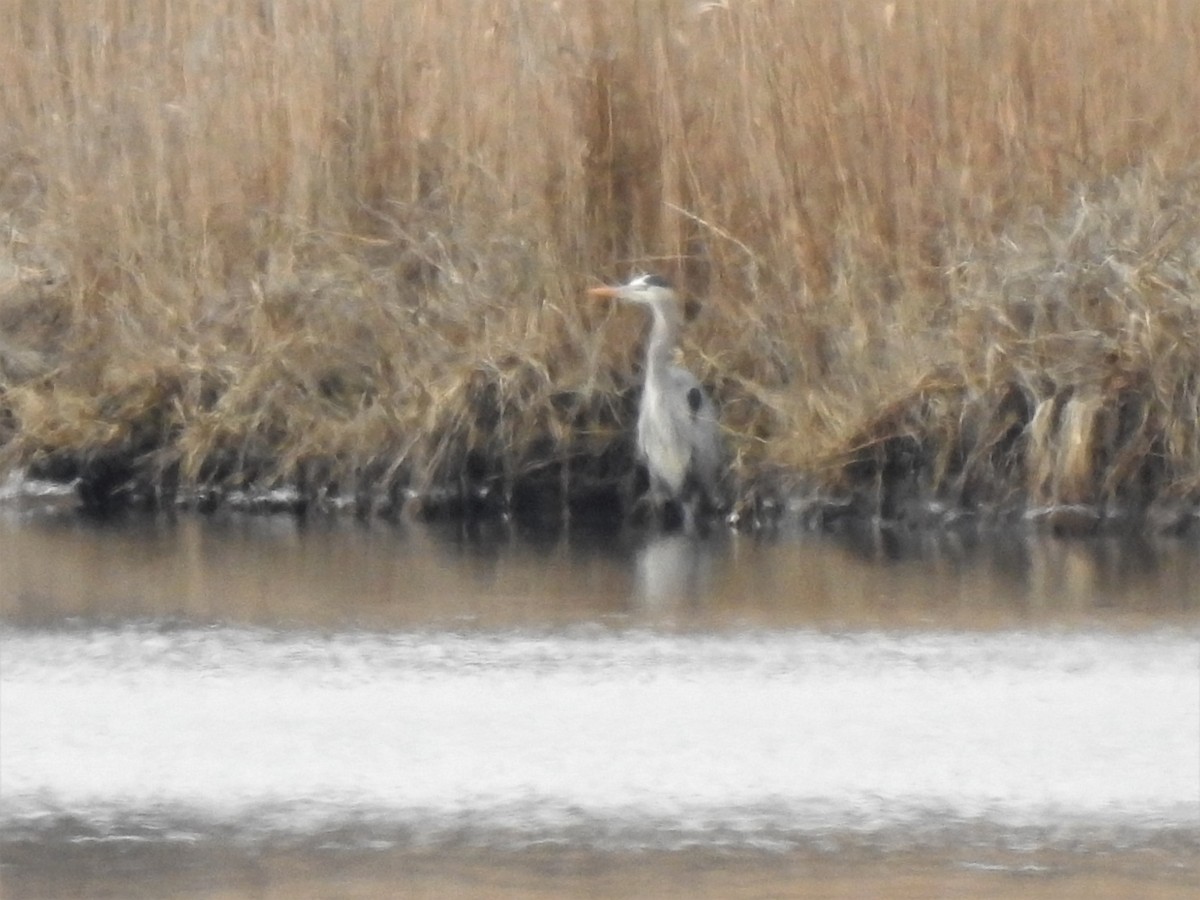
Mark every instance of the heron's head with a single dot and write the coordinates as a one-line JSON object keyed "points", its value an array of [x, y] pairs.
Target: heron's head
{"points": [[648, 290]]}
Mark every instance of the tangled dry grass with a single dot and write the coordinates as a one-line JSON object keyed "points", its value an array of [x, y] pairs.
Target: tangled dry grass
{"points": [[1073, 387], [947, 251]]}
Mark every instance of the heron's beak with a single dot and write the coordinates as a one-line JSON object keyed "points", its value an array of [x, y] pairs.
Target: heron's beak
{"points": [[604, 293]]}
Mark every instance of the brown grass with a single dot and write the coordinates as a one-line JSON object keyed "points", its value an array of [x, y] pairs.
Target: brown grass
{"points": [[947, 251]]}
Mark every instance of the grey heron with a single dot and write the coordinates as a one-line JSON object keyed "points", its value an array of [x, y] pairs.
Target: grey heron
{"points": [[678, 436]]}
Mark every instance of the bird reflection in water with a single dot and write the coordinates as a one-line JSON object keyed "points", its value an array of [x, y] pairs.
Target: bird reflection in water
{"points": [[674, 573]]}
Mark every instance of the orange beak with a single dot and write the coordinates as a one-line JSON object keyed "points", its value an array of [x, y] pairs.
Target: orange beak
{"points": [[603, 293]]}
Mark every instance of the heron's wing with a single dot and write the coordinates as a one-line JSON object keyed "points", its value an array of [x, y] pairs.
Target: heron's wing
{"points": [[697, 420], [687, 393]]}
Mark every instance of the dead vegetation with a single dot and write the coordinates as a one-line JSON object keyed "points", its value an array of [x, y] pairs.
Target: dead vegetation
{"points": [[1073, 390], [947, 253]]}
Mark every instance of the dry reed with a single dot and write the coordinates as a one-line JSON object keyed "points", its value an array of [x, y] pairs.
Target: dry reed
{"points": [[947, 250]]}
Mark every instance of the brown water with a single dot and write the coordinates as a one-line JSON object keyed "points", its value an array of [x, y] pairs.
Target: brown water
{"points": [[337, 573], [237, 706]]}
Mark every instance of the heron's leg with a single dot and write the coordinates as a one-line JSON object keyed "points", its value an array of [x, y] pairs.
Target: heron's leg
{"points": [[638, 496], [674, 512], [697, 505], [663, 509], [630, 500], [657, 501], [642, 510], [688, 508]]}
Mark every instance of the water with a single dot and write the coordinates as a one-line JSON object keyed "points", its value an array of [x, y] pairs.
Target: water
{"points": [[323, 690], [284, 573], [619, 740]]}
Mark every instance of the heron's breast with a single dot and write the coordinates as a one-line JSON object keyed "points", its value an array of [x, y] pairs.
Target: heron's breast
{"points": [[665, 444]]}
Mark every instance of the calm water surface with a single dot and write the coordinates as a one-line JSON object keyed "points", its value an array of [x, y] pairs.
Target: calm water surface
{"points": [[179, 693]]}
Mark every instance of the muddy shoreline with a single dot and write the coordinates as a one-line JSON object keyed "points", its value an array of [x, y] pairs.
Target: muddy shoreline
{"points": [[779, 503]]}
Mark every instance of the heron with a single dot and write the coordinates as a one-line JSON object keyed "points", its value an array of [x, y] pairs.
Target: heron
{"points": [[678, 436]]}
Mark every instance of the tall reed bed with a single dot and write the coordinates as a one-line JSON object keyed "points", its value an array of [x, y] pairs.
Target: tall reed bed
{"points": [[942, 250]]}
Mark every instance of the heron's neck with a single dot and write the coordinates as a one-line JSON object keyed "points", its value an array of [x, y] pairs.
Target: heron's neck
{"points": [[662, 341]]}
